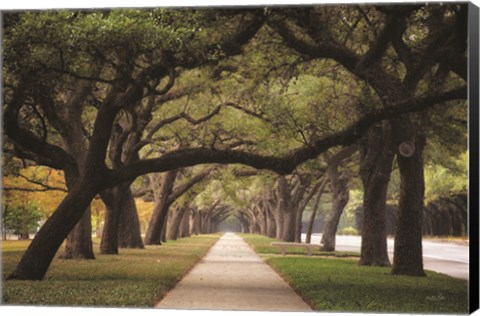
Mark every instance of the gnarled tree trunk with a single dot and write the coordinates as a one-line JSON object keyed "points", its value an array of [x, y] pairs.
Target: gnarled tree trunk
{"points": [[114, 202], [196, 218], [339, 183], [408, 258], [301, 201], [79, 240], [129, 234], [278, 223], [285, 210], [45, 245], [262, 220], [271, 225], [243, 222], [163, 236], [173, 232], [308, 237], [121, 224], [375, 168], [160, 211], [185, 229], [340, 192]]}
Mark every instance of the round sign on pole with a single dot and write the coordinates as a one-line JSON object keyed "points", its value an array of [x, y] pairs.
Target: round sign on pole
{"points": [[406, 149]]}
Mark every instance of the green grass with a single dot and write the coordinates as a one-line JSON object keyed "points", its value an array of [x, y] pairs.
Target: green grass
{"points": [[135, 277], [262, 245], [341, 285]]}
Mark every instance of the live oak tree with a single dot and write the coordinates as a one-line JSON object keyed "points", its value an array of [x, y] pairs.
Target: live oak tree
{"points": [[313, 215], [169, 193], [292, 195], [63, 114], [121, 219], [340, 193]]}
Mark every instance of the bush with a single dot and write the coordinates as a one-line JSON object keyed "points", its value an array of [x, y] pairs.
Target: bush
{"points": [[21, 221], [350, 231]]}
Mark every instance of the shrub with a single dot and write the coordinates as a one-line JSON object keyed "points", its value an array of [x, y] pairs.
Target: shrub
{"points": [[350, 231]]}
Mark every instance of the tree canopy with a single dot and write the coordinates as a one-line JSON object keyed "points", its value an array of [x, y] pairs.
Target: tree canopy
{"points": [[110, 96]]}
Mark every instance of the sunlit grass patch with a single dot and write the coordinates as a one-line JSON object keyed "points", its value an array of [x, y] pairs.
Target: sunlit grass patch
{"points": [[341, 285], [135, 277], [14, 245], [262, 245]]}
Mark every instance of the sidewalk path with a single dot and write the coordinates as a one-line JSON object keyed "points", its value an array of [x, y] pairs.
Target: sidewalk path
{"points": [[233, 277]]}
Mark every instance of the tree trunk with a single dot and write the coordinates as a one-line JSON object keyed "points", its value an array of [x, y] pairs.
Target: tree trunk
{"points": [[270, 203], [278, 223], [308, 237], [375, 168], [207, 224], [289, 225], [163, 235], [301, 203], [286, 210], [41, 251], [121, 223], [298, 223], [203, 224], [160, 211], [196, 222], [254, 227], [262, 220], [211, 226], [24, 233], [278, 215], [129, 235], [79, 241], [114, 202], [408, 258], [340, 192], [243, 223], [215, 226], [173, 232], [271, 226], [254, 221], [185, 224]]}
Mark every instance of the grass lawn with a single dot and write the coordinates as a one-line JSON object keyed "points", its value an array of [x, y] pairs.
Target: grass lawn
{"points": [[262, 245], [341, 285], [135, 277]]}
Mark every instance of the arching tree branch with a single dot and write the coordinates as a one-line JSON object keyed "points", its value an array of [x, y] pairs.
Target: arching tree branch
{"points": [[282, 165]]}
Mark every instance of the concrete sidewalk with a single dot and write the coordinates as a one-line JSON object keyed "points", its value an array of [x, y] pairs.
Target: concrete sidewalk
{"points": [[233, 277]]}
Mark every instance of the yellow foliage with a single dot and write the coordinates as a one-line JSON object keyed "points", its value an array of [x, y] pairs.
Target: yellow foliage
{"points": [[145, 210], [46, 201]]}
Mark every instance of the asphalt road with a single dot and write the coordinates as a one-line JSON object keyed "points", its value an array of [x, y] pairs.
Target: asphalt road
{"points": [[447, 258]]}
